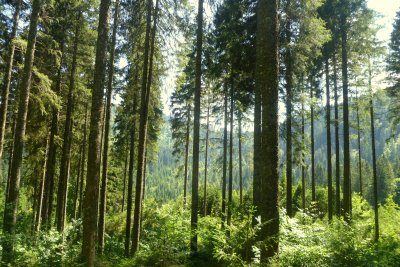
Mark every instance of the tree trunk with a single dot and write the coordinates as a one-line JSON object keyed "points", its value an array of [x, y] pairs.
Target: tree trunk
{"points": [[206, 157], [267, 83], [103, 198], [11, 207], [40, 192], [303, 159], [240, 158], [83, 163], [124, 187], [375, 178], [66, 148], [346, 133], [225, 153], [144, 103], [10, 156], [257, 161], [196, 130], [186, 154], [313, 195], [289, 84], [337, 145], [130, 175], [77, 182], [230, 185], [328, 141], [359, 144], [51, 164], [90, 203], [7, 76]]}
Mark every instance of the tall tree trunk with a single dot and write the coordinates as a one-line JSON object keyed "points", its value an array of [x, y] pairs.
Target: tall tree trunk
{"points": [[225, 153], [40, 192], [144, 103], [289, 84], [337, 148], [90, 202], [196, 130], [130, 175], [346, 133], [10, 156], [83, 162], [240, 158], [303, 159], [375, 178], [186, 154], [230, 184], [77, 182], [11, 207], [124, 187], [103, 192], [206, 157], [313, 195], [7, 75], [328, 140], [359, 143], [257, 160], [267, 83], [66, 148]]}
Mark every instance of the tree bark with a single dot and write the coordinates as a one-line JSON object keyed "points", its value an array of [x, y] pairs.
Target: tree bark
{"points": [[144, 103], [103, 192], [7, 76], [90, 203], [196, 130], [11, 206], [267, 83]]}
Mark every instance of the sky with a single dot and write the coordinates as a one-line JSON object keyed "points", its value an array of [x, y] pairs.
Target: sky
{"points": [[386, 8]]}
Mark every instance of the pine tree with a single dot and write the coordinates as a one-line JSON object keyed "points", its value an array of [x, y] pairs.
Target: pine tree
{"points": [[90, 202], [10, 210]]}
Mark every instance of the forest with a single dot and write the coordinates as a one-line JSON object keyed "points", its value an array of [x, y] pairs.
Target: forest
{"points": [[199, 133]]}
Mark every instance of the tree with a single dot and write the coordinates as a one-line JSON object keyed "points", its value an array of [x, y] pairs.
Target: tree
{"points": [[196, 130], [393, 58], [10, 210], [144, 104], [90, 202], [103, 191], [7, 77], [346, 132], [267, 84], [66, 148]]}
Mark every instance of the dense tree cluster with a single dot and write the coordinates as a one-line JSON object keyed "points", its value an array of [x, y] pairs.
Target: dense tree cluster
{"points": [[277, 125]]}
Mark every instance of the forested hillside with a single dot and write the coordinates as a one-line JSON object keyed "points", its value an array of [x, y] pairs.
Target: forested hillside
{"points": [[199, 133]]}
